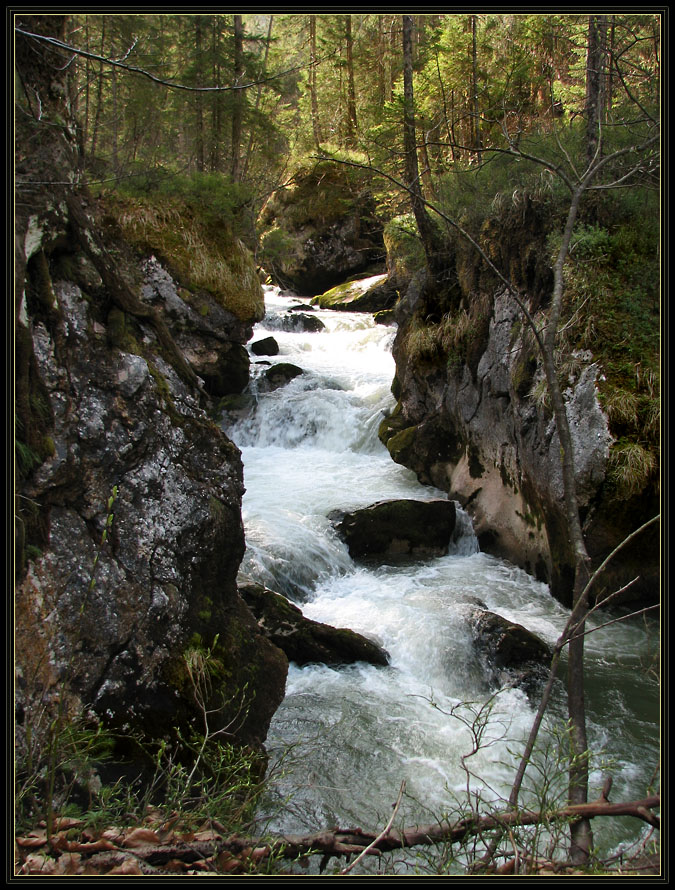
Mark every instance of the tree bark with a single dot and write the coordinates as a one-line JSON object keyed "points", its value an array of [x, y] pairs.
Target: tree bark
{"points": [[314, 104], [238, 104], [428, 235], [474, 89], [351, 88], [595, 64], [581, 835], [199, 99]]}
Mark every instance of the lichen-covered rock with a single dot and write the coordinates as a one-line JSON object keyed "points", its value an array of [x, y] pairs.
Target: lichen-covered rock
{"points": [[305, 641], [391, 530], [111, 596], [112, 621]]}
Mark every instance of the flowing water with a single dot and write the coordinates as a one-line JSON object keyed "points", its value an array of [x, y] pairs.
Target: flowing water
{"points": [[353, 734]]}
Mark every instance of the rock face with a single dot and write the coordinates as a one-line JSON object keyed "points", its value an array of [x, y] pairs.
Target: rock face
{"points": [[392, 530], [321, 229], [305, 641], [211, 339], [128, 531], [115, 620], [469, 421]]}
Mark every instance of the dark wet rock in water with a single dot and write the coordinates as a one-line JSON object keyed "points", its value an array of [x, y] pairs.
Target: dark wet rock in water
{"points": [[279, 375], [302, 640], [385, 317], [301, 323], [392, 530], [510, 654], [266, 346]]}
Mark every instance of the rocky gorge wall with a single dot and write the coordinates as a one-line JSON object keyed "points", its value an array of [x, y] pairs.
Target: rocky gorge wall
{"points": [[126, 436], [472, 420], [127, 512]]}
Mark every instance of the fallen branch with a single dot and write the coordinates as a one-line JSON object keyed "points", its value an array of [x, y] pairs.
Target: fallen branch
{"points": [[146, 850]]}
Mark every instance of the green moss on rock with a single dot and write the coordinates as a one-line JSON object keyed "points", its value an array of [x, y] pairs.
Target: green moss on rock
{"points": [[200, 255]]}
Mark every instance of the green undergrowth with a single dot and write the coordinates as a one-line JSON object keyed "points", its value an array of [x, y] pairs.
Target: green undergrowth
{"points": [[612, 308]]}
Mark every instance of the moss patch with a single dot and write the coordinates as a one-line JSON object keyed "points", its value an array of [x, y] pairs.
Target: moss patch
{"points": [[199, 255]]}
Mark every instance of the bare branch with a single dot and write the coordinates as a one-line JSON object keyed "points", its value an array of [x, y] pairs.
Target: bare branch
{"points": [[133, 69]]}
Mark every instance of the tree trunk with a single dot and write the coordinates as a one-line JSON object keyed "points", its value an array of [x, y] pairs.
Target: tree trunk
{"points": [[351, 89], [595, 63], [412, 179], [474, 89], [314, 104], [249, 148], [581, 835], [99, 94], [238, 105], [199, 98]]}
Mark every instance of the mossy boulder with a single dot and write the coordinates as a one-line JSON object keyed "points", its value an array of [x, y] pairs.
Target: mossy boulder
{"points": [[391, 530], [321, 228], [302, 640], [371, 294], [301, 322]]}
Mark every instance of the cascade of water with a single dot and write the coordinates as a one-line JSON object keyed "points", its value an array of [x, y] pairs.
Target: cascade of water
{"points": [[311, 447]]}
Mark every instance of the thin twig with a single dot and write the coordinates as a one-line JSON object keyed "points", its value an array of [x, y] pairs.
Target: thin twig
{"points": [[380, 836]]}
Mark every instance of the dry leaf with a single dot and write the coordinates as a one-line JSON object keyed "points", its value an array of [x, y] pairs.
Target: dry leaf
{"points": [[69, 864], [177, 865], [63, 823], [113, 834], [207, 835], [38, 863], [32, 841], [141, 837], [128, 867]]}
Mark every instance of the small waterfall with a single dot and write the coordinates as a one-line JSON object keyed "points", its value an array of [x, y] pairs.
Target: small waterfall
{"points": [[354, 733]]}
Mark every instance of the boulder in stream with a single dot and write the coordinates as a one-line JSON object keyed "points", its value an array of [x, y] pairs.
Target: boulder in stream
{"points": [[279, 375], [370, 294], [300, 322], [391, 530], [302, 640], [266, 346], [510, 654]]}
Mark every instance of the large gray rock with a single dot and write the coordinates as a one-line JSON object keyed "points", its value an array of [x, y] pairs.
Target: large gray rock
{"points": [[211, 339], [470, 423], [109, 623], [391, 530]]}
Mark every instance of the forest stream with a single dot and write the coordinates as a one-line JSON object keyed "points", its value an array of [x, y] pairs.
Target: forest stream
{"points": [[350, 736]]}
